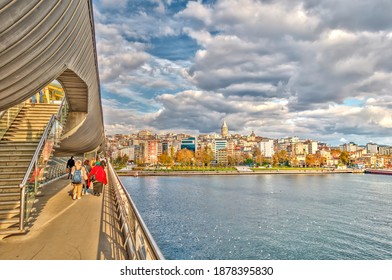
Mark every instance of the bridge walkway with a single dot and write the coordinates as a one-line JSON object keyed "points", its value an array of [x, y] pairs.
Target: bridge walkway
{"points": [[66, 229]]}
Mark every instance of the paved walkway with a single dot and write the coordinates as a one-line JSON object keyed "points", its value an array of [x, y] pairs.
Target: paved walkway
{"points": [[66, 229]]}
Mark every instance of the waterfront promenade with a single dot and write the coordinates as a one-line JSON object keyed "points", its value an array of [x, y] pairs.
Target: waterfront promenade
{"points": [[257, 172], [66, 229]]}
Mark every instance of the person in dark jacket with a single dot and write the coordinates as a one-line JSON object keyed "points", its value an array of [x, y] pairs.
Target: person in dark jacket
{"points": [[100, 178], [70, 164], [87, 167]]}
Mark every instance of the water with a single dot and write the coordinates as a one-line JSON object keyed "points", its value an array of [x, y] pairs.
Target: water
{"points": [[320, 217]]}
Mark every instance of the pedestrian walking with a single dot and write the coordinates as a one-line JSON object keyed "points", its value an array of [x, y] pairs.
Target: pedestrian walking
{"points": [[70, 165], [78, 176], [97, 177], [87, 167]]}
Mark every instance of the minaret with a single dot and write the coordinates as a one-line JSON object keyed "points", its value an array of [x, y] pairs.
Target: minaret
{"points": [[224, 129]]}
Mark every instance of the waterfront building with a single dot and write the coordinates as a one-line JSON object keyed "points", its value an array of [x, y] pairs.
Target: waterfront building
{"points": [[267, 147], [384, 150], [151, 152], [224, 130], [129, 151], [189, 143], [221, 157], [372, 148], [312, 146], [165, 147], [219, 144], [349, 147], [231, 144], [300, 148]]}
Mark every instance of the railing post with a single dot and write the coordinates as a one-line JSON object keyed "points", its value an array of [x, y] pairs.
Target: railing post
{"points": [[22, 206]]}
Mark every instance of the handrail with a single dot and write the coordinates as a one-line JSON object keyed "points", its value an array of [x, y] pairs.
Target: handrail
{"points": [[30, 168], [39, 147], [138, 241], [60, 108], [56, 124]]}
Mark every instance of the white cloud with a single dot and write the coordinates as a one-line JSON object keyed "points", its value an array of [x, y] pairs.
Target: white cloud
{"points": [[278, 67]]}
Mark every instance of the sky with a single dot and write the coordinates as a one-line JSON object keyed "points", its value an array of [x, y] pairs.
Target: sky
{"points": [[316, 69]]}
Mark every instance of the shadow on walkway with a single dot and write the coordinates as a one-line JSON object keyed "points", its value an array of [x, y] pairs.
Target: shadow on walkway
{"points": [[66, 229]]}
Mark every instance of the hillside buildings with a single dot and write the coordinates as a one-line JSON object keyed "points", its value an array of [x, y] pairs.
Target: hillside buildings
{"points": [[146, 148]]}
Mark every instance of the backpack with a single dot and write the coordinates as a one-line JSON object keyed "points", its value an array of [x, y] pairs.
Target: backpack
{"points": [[77, 177]]}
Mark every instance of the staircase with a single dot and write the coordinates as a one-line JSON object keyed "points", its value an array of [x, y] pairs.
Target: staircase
{"points": [[17, 148]]}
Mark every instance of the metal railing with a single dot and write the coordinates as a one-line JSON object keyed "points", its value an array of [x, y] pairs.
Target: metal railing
{"points": [[138, 241], [37, 172]]}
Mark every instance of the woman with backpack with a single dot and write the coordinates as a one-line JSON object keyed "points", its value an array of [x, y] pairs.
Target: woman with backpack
{"points": [[78, 175], [99, 174]]}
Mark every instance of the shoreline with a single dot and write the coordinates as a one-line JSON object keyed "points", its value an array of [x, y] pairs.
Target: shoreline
{"points": [[141, 173]]}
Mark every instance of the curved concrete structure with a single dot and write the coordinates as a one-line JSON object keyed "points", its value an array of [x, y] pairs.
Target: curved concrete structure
{"points": [[44, 40]]}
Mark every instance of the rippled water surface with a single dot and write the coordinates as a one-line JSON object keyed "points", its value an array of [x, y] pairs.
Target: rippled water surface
{"points": [[339, 216]]}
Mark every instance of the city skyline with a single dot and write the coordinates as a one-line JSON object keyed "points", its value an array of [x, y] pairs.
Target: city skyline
{"points": [[225, 133], [314, 69]]}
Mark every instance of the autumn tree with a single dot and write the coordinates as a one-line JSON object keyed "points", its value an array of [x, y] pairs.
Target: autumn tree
{"points": [[258, 156], [121, 160], [281, 158], [320, 160], [204, 156], [344, 157], [310, 160], [165, 159], [185, 156]]}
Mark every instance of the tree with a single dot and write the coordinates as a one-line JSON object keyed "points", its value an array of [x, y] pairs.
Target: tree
{"points": [[172, 152], [320, 160], [249, 161], [121, 160], [165, 159], [185, 156], [310, 160], [344, 157], [258, 155], [204, 156], [281, 158]]}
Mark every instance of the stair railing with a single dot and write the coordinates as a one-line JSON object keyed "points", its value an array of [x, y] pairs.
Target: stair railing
{"points": [[138, 241], [36, 170]]}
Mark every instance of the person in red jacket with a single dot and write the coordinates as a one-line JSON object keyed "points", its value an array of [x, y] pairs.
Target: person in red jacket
{"points": [[100, 178]]}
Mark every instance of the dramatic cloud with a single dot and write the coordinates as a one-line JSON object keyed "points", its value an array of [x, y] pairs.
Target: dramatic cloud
{"points": [[315, 69]]}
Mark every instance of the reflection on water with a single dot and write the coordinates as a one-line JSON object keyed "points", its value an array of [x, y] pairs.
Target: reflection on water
{"points": [[336, 216]]}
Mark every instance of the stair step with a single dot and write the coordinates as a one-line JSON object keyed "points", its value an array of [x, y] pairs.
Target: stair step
{"points": [[18, 143], [10, 168], [10, 202], [10, 187], [22, 150], [21, 138], [9, 183], [24, 129], [6, 223], [12, 231], [9, 194], [38, 120], [16, 161], [11, 211], [9, 205], [9, 175]]}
